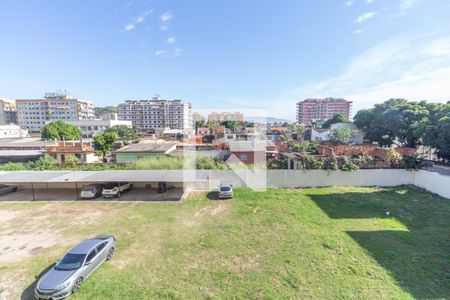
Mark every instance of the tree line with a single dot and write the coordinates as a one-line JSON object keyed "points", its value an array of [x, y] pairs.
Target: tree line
{"points": [[410, 124]]}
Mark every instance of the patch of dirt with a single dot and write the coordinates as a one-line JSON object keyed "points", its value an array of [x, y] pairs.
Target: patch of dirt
{"points": [[20, 246], [202, 213]]}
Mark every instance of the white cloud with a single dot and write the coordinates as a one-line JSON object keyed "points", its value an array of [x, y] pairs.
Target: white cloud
{"points": [[129, 27], [369, 1], [164, 27], [140, 19], [364, 17], [166, 17], [171, 40], [415, 68], [407, 4], [358, 31], [175, 52], [349, 3]]}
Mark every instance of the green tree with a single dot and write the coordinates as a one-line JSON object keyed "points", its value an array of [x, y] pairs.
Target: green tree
{"points": [[342, 135], [337, 118], [60, 130], [212, 124], [394, 121], [103, 143], [124, 133], [232, 124], [72, 161]]}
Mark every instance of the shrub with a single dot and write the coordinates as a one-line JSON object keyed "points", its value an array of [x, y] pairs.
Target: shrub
{"points": [[330, 164], [72, 161], [413, 162], [310, 163], [45, 162], [13, 166], [347, 165]]}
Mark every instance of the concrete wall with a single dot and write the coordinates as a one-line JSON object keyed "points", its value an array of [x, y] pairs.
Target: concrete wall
{"points": [[433, 182]]}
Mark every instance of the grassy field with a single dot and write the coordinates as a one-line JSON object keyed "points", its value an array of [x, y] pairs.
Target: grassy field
{"points": [[327, 243]]}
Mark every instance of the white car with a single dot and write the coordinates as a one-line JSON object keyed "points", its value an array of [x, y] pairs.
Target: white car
{"points": [[91, 191], [113, 189], [225, 191]]}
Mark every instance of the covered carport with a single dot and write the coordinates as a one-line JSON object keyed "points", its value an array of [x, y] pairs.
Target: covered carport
{"points": [[66, 185]]}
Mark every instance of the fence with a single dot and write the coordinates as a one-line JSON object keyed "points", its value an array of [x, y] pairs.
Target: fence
{"points": [[433, 182]]}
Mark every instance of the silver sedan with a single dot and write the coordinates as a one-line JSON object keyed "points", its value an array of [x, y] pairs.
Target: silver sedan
{"points": [[70, 271]]}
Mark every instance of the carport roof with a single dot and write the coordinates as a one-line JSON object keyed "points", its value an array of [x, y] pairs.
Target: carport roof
{"points": [[103, 176]]}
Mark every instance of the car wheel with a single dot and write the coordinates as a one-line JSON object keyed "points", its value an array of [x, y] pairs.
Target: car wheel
{"points": [[131, 187], [77, 284], [110, 254]]}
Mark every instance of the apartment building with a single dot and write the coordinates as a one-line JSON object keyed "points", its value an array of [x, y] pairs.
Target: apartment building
{"points": [[157, 114], [33, 114], [322, 109], [226, 116], [8, 112]]}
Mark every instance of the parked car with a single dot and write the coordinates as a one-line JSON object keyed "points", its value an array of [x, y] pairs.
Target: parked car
{"points": [[91, 191], [225, 191], [113, 189], [75, 267], [6, 189]]}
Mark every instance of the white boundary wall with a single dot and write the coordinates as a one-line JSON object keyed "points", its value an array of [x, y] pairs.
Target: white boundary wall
{"points": [[433, 182]]}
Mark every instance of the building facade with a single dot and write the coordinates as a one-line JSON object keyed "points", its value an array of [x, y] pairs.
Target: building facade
{"points": [[92, 127], [33, 114], [311, 110], [8, 112], [150, 115], [12, 131], [226, 116]]}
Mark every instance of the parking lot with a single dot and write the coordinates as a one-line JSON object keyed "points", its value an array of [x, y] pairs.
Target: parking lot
{"points": [[71, 194]]}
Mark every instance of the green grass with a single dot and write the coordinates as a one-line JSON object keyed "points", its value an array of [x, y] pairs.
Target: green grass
{"points": [[325, 243]]}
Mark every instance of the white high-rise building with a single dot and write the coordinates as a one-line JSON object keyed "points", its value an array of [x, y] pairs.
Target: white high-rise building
{"points": [[33, 114], [156, 114]]}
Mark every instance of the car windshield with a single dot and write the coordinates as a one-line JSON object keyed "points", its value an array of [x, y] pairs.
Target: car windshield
{"points": [[111, 186], [225, 189], [89, 189], [2, 186], [70, 262]]}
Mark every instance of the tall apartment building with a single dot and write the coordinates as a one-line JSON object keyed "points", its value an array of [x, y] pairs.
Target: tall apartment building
{"points": [[226, 116], [8, 112], [322, 109], [148, 115], [34, 113]]}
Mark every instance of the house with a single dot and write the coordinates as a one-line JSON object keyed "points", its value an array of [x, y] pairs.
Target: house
{"points": [[12, 131], [203, 131], [251, 152], [320, 134], [357, 139], [134, 152], [83, 150], [21, 149], [92, 127]]}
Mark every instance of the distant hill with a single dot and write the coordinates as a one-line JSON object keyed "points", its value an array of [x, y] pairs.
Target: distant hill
{"points": [[268, 120]]}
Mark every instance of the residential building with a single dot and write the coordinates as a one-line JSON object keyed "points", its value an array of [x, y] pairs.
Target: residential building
{"points": [[149, 115], [250, 152], [311, 110], [12, 131], [197, 117], [134, 152], [320, 134], [89, 128], [82, 150], [33, 114], [8, 112], [226, 116]]}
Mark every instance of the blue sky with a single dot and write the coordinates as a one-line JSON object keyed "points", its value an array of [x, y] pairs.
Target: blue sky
{"points": [[230, 54]]}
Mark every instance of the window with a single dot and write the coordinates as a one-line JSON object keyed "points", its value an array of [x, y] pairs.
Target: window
{"points": [[91, 255], [243, 157], [101, 247]]}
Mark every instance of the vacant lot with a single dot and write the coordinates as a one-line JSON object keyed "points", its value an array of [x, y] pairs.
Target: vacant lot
{"points": [[327, 243]]}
